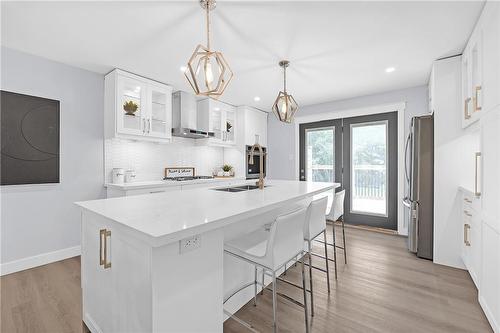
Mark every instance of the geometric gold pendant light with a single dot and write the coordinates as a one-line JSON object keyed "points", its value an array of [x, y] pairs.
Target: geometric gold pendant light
{"points": [[285, 106], [207, 71]]}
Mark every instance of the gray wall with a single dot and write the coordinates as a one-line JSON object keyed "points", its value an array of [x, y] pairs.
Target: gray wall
{"points": [[281, 137], [37, 219]]}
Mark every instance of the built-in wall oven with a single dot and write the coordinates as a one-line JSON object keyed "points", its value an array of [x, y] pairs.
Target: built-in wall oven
{"points": [[253, 170]]}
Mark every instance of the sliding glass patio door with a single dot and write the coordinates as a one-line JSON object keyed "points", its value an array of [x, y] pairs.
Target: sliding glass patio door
{"points": [[360, 153]]}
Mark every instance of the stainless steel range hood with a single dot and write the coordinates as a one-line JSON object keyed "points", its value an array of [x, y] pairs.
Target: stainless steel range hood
{"points": [[184, 117]]}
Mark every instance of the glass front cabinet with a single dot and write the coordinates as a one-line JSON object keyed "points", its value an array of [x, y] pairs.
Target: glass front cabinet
{"points": [[219, 118], [137, 108], [472, 77]]}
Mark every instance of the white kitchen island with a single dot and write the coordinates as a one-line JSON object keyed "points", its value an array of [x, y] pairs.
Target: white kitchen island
{"points": [[155, 262]]}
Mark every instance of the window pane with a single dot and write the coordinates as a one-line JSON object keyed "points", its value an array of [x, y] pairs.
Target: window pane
{"points": [[320, 155], [369, 168]]}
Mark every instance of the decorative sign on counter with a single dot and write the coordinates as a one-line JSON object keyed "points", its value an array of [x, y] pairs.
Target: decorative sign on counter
{"points": [[179, 172]]}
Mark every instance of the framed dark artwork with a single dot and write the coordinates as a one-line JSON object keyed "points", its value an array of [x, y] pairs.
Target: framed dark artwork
{"points": [[29, 139]]}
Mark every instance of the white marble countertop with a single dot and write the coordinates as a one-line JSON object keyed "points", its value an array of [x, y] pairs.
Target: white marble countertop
{"points": [[167, 183], [163, 218]]}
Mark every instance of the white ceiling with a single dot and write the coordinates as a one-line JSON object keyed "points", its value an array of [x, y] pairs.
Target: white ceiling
{"points": [[337, 49]]}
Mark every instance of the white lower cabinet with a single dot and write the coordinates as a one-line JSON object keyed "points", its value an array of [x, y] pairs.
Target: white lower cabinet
{"points": [[471, 247], [107, 259], [489, 293], [139, 287], [97, 297]]}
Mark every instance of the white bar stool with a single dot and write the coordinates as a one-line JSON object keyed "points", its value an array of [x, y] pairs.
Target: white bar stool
{"points": [[314, 226], [337, 213], [271, 250]]}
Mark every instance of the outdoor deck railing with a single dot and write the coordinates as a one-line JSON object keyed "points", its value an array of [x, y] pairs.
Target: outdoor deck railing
{"points": [[369, 181]]}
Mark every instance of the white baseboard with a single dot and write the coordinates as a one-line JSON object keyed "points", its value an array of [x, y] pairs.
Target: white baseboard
{"points": [[38, 260], [489, 315]]}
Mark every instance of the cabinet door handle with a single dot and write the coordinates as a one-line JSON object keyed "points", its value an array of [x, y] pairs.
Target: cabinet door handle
{"points": [[466, 108], [102, 239], [143, 125], [466, 234], [477, 104], [103, 248], [149, 125], [476, 180]]}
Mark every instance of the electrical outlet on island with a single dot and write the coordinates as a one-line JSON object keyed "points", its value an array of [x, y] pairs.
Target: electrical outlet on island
{"points": [[189, 244]]}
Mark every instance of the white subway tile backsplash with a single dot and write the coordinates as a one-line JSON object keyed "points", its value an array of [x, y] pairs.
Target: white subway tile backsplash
{"points": [[150, 159]]}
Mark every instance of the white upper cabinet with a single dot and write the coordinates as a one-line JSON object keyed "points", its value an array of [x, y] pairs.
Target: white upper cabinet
{"points": [[137, 108], [219, 118], [255, 126], [480, 66], [491, 55], [160, 115]]}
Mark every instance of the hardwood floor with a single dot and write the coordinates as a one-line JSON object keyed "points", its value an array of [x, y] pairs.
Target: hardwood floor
{"points": [[382, 289], [42, 299]]}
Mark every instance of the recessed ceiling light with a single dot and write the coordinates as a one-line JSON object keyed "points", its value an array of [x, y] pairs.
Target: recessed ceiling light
{"points": [[217, 109], [390, 69], [183, 68], [256, 98]]}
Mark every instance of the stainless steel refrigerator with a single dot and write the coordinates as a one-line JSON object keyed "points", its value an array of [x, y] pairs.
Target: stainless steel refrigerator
{"points": [[419, 173]]}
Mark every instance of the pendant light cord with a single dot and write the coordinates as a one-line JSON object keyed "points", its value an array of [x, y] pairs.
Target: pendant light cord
{"points": [[208, 24], [284, 79]]}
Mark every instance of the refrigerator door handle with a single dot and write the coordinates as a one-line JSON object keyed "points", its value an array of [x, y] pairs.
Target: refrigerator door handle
{"points": [[406, 158]]}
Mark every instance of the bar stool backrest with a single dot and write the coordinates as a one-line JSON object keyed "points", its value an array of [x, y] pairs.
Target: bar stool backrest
{"points": [[338, 205], [315, 219], [286, 237]]}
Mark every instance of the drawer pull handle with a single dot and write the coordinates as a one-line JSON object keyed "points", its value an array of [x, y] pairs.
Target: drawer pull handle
{"points": [[103, 248], [466, 234], [468, 200], [466, 108], [477, 192], [102, 236], [467, 213], [477, 102]]}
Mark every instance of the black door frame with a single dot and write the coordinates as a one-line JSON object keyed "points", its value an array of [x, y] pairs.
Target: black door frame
{"points": [[337, 125], [342, 164], [391, 220]]}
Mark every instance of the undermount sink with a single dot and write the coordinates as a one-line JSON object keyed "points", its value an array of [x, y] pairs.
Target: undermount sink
{"points": [[229, 189], [240, 188]]}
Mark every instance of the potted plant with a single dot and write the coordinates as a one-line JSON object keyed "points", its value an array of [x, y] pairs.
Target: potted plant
{"points": [[130, 108], [227, 170]]}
